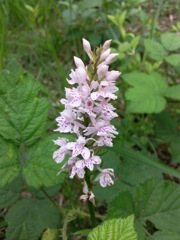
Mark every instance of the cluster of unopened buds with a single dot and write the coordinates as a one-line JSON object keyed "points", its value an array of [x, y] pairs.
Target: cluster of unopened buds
{"points": [[87, 114]]}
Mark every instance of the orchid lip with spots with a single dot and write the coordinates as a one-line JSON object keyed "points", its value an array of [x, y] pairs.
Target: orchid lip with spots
{"points": [[87, 114]]}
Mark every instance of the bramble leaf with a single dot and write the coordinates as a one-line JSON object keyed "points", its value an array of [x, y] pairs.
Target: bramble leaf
{"points": [[154, 200], [173, 92], [10, 162], [29, 217], [146, 94], [9, 194], [40, 169], [23, 113], [173, 59], [171, 41], [166, 235], [154, 50], [116, 229]]}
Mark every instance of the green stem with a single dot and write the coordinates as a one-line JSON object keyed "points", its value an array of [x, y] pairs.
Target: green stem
{"points": [[53, 202], [155, 18], [90, 204]]}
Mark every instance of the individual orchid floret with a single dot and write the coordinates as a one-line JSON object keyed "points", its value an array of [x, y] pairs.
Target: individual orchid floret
{"points": [[87, 47], [88, 195], [105, 177], [87, 115]]}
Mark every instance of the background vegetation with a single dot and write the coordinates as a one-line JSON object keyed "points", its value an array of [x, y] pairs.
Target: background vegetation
{"points": [[38, 40]]}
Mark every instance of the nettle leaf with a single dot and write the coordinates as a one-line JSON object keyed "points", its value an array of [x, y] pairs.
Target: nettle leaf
{"points": [[9, 194], [10, 165], [115, 229], [171, 41], [23, 113], [154, 50], [29, 217], [40, 169], [173, 92], [173, 59], [154, 200], [146, 94]]}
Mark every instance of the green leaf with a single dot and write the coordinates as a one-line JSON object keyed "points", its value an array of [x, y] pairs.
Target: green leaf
{"points": [[171, 41], [166, 235], [40, 169], [115, 229], [50, 234], [9, 194], [173, 59], [175, 149], [148, 160], [109, 192], [23, 113], [10, 164], [146, 94], [29, 217], [173, 92], [156, 201], [154, 50], [166, 127]]}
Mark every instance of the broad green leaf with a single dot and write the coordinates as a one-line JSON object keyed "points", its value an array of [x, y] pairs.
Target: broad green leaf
{"points": [[146, 93], [173, 92], [171, 41], [23, 113], [40, 168], [115, 229], [9, 194], [166, 235], [154, 50], [10, 162], [173, 59], [154, 200], [29, 217]]}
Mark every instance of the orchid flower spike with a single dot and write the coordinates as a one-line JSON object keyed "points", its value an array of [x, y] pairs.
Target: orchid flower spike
{"points": [[87, 114]]}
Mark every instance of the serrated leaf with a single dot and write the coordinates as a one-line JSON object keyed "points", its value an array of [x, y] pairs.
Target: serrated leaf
{"points": [[156, 201], [10, 163], [23, 113], [115, 229], [40, 169], [146, 94], [171, 41], [9, 194], [173, 59], [29, 217], [166, 235], [154, 50], [173, 92]]}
